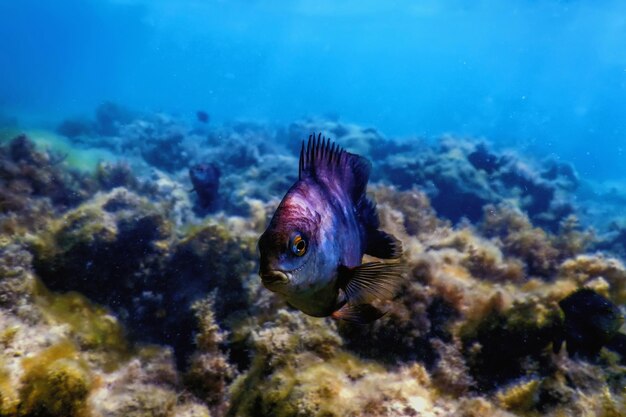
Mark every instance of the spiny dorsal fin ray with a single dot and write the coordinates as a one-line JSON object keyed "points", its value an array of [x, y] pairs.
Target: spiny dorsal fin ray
{"points": [[324, 161]]}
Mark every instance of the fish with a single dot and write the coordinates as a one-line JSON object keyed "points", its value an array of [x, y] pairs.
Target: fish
{"points": [[312, 250], [202, 116], [205, 178], [590, 323]]}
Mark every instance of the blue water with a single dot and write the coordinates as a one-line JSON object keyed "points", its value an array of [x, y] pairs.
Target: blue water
{"points": [[540, 76]]}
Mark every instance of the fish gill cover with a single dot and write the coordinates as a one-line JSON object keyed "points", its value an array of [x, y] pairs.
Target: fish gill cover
{"points": [[145, 146]]}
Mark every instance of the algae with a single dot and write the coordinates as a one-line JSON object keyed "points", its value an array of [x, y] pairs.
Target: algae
{"points": [[93, 327], [56, 383], [85, 160], [9, 398]]}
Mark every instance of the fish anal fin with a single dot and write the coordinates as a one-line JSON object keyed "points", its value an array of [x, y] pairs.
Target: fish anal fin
{"points": [[358, 313], [370, 281]]}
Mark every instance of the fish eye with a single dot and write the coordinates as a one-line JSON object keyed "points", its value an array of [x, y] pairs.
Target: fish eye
{"points": [[298, 245]]}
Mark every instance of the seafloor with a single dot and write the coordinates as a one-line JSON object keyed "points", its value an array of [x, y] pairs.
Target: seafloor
{"points": [[123, 294]]}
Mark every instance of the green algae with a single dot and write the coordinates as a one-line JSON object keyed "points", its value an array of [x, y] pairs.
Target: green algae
{"points": [[9, 399], [91, 326], [521, 397], [495, 346], [8, 133], [83, 159], [77, 158], [56, 383]]}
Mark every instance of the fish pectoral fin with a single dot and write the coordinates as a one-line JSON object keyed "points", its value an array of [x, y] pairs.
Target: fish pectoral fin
{"points": [[383, 245], [358, 313], [369, 281]]}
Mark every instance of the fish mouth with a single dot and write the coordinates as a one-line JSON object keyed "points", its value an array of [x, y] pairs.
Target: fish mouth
{"points": [[274, 277]]}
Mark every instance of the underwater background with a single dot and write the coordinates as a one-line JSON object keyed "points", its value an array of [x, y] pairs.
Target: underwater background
{"points": [[144, 146]]}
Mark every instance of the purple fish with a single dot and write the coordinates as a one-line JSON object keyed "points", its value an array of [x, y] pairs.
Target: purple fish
{"points": [[312, 249], [206, 182]]}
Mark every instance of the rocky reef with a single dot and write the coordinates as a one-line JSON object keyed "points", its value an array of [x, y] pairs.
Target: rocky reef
{"points": [[118, 297]]}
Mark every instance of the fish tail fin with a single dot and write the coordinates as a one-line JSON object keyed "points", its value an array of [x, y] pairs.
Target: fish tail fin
{"points": [[358, 313], [377, 243]]}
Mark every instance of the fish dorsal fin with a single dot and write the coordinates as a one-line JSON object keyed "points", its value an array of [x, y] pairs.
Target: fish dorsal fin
{"points": [[324, 161]]}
